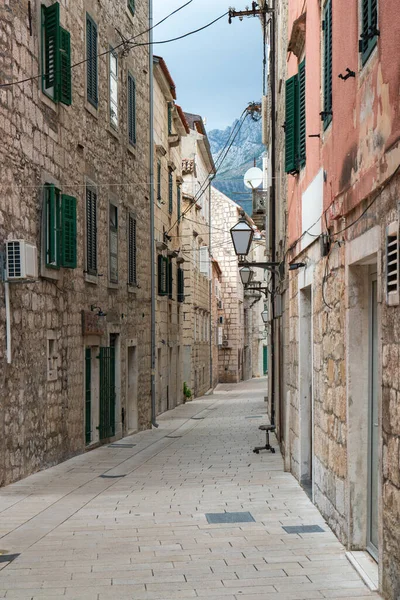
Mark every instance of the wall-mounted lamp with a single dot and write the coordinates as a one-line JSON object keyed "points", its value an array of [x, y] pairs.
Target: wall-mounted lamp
{"points": [[295, 266], [100, 313]]}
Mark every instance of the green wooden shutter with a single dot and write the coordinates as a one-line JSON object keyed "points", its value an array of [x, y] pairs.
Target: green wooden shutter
{"points": [[369, 28], [170, 279], [68, 231], [52, 226], [91, 65], [131, 6], [91, 231], [181, 285], [178, 201], [107, 392], [162, 275], [327, 117], [51, 25], [113, 243], [170, 191], [291, 142], [65, 88], [88, 395], [302, 113], [169, 118], [132, 267], [159, 180], [131, 109]]}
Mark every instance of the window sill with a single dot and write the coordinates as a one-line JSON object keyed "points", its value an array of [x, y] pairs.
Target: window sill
{"points": [[132, 149], [49, 273], [91, 109], [132, 289], [112, 285], [366, 67], [91, 279], [114, 132], [130, 14]]}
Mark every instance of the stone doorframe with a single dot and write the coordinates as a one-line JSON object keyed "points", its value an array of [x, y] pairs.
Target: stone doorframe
{"points": [[361, 253]]}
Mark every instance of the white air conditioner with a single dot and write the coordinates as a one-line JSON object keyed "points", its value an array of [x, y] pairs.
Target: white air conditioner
{"points": [[21, 260]]}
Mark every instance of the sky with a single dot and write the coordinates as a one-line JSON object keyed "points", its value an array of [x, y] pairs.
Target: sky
{"points": [[217, 71]]}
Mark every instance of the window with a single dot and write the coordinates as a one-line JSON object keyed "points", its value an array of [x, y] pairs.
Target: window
{"points": [[392, 264], [60, 229], [91, 231], [204, 261], [170, 279], [170, 191], [113, 243], [369, 28], [132, 267], [327, 75], [169, 118], [131, 109], [178, 201], [91, 64], [159, 181], [162, 276], [295, 127], [114, 89], [131, 6], [56, 56], [181, 284]]}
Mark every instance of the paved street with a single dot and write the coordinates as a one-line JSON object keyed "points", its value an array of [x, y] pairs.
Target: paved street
{"points": [[129, 522]]}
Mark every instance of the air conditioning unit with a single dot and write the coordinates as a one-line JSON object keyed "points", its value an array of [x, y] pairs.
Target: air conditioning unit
{"points": [[225, 343], [220, 305], [21, 260]]}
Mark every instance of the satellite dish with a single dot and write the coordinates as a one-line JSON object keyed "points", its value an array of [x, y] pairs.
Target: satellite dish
{"points": [[253, 178]]}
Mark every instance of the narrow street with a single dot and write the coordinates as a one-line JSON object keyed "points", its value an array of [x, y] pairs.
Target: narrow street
{"points": [[129, 520]]}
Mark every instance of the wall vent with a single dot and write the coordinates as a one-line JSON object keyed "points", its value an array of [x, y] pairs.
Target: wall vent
{"points": [[392, 264]]}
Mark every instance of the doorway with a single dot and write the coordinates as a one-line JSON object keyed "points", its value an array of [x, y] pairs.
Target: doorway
{"points": [[132, 399], [373, 425], [306, 391]]}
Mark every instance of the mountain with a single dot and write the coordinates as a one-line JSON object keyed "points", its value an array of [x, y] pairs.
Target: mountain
{"points": [[246, 147]]}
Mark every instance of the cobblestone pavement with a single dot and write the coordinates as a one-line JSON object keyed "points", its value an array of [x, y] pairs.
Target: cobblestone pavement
{"points": [[129, 522]]}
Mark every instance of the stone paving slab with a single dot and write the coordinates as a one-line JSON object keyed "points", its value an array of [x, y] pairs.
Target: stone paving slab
{"points": [[145, 536]]}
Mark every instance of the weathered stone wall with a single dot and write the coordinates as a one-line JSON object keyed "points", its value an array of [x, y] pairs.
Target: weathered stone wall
{"points": [[42, 422]]}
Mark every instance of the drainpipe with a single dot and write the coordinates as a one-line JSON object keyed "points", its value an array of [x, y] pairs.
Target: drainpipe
{"points": [[211, 177], [152, 247], [273, 206], [8, 320]]}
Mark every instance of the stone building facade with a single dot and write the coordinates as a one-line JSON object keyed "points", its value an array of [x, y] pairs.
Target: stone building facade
{"points": [[341, 417], [216, 323], [170, 126], [75, 336], [197, 168]]}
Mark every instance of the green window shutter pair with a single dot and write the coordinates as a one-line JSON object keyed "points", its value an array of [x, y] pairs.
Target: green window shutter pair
{"points": [[162, 273], [91, 231], [132, 260], [181, 285], [131, 6], [131, 109], [170, 191], [295, 128], [61, 229], [91, 64], [369, 28], [170, 278], [57, 79], [327, 83]]}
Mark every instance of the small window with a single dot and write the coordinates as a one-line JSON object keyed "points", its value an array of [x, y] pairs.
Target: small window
{"points": [[56, 56], [52, 356], [159, 181], [113, 243], [91, 231], [178, 201], [92, 59], [204, 261], [131, 109], [132, 267], [131, 6], [327, 75], [170, 280], [162, 276], [114, 89], [181, 285], [60, 229], [170, 191], [392, 264], [369, 28]]}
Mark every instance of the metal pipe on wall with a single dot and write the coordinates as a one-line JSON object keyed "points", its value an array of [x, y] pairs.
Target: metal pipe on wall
{"points": [[273, 203]]}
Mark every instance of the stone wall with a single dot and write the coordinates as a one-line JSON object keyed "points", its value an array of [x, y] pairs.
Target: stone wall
{"points": [[43, 421]]}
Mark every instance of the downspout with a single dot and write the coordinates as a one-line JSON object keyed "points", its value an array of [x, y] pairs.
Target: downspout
{"points": [[273, 205], [152, 221], [8, 319], [211, 177]]}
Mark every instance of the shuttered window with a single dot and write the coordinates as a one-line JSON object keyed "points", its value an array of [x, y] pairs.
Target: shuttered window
{"points": [[114, 89], [392, 264], [291, 125], [56, 56], [327, 75], [131, 109], [132, 266], [302, 113], [170, 191], [181, 284], [178, 201], [91, 231], [204, 261], [91, 64], [162, 275], [131, 6], [68, 231], [113, 243], [170, 279], [159, 181], [169, 118], [369, 28]]}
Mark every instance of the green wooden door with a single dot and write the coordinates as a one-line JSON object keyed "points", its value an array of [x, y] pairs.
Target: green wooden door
{"points": [[265, 359], [107, 392], [88, 395]]}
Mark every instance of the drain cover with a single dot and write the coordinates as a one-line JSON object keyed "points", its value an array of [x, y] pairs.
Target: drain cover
{"points": [[254, 417], [234, 517], [122, 445], [303, 529], [7, 557], [197, 418], [173, 437], [111, 476]]}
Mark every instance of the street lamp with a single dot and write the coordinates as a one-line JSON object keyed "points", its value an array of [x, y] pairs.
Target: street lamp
{"points": [[264, 316], [242, 236], [246, 275]]}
